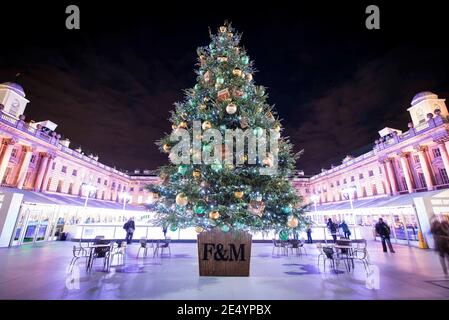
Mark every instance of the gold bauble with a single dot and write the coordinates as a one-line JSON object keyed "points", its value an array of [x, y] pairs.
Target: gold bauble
{"points": [[196, 174], [267, 161], [239, 194], [183, 124], [174, 126], [222, 59], [292, 222], [214, 215], [166, 148], [199, 229], [231, 108], [249, 76], [277, 128], [230, 34], [237, 72], [223, 29], [202, 106], [206, 125], [181, 199]]}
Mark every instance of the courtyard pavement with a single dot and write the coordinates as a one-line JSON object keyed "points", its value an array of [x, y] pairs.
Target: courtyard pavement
{"points": [[39, 272]]}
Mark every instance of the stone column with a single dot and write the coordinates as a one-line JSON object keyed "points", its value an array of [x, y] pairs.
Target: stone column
{"points": [[51, 159], [387, 178], [9, 145], [28, 152], [444, 155], [391, 176], [406, 170], [425, 166], [41, 171]]}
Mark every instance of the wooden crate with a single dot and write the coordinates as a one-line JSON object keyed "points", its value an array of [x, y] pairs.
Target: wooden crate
{"points": [[224, 253]]}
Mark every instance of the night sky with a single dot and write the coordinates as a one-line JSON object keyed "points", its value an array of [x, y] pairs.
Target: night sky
{"points": [[110, 86]]}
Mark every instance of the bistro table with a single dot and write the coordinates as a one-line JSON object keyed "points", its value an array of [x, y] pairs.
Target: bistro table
{"points": [[345, 250], [92, 248]]}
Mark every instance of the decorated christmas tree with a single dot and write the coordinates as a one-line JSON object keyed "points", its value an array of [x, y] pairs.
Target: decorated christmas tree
{"points": [[232, 192]]}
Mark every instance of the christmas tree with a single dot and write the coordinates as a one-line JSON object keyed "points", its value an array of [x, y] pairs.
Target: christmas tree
{"points": [[233, 194]]}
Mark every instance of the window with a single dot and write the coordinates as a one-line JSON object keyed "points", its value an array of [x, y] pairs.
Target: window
{"points": [[338, 183], [416, 158], [332, 185], [113, 185], [352, 179], [60, 184], [422, 180], [14, 153], [74, 173], [64, 169], [374, 189], [360, 176], [33, 158], [99, 180], [436, 153], [444, 177], [105, 182], [131, 189], [141, 189], [380, 170], [53, 167], [344, 181]]}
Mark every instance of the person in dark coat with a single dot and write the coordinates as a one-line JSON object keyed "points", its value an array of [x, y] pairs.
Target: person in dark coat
{"points": [[383, 230], [345, 228], [309, 233], [164, 230], [130, 227], [332, 229], [440, 232]]}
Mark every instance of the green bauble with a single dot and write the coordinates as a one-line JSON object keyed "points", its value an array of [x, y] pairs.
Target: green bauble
{"points": [[183, 168], [287, 209], [225, 228], [283, 235], [199, 209], [216, 167], [258, 131], [245, 59], [239, 225], [220, 80], [173, 227]]}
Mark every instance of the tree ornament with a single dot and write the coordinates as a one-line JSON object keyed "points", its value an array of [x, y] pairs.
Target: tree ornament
{"points": [[283, 235], [206, 99], [245, 60], [223, 95], [206, 125], [292, 222], [230, 34], [181, 199], [258, 131], [207, 77], [231, 108], [174, 126], [183, 125], [256, 208], [202, 60], [217, 166], [173, 227], [219, 80], [166, 148], [244, 122], [225, 228], [222, 59], [223, 29], [182, 169], [196, 173], [202, 106], [277, 128], [199, 209], [237, 72], [214, 215], [268, 161], [238, 93], [249, 76], [237, 50], [287, 209], [270, 116], [199, 229], [239, 194]]}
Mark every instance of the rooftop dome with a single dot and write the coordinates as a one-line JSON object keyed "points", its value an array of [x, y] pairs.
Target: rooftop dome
{"points": [[15, 87], [423, 96]]}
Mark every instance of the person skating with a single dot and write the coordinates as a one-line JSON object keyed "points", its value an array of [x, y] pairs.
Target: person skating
{"points": [[129, 226], [383, 230], [332, 229], [345, 228]]}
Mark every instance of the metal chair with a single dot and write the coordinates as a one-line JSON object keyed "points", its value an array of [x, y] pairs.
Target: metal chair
{"points": [[118, 251], [280, 246], [78, 252], [143, 246], [101, 252], [165, 244], [360, 253]]}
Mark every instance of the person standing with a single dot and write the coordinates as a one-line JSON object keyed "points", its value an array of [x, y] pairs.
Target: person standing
{"points": [[164, 230], [383, 230], [332, 229], [345, 228], [440, 232], [309, 233], [129, 226]]}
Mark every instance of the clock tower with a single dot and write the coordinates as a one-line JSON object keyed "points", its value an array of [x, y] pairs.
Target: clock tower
{"points": [[12, 97]]}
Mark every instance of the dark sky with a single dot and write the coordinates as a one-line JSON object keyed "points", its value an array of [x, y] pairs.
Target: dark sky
{"points": [[110, 86]]}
